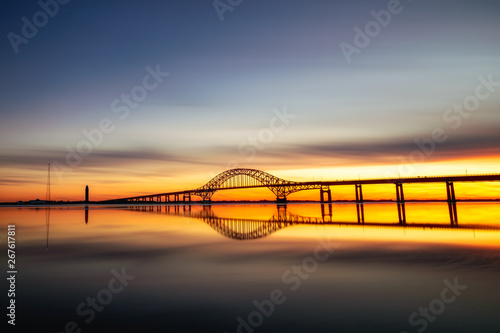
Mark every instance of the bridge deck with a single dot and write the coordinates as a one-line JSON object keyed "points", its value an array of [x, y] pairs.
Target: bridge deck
{"points": [[316, 184]]}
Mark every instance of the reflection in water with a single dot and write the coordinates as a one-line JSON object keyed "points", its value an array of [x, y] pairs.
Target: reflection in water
{"points": [[243, 229], [254, 228], [47, 225], [191, 279]]}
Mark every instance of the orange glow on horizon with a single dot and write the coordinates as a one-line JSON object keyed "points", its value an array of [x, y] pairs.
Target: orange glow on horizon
{"points": [[151, 227], [105, 185]]}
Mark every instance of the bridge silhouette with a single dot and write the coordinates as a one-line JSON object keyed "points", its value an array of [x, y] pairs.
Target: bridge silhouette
{"points": [[252, 178], [253, 228]]}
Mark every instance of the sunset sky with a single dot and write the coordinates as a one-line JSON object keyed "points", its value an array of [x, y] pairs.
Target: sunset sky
{"points": [[268, 87]]}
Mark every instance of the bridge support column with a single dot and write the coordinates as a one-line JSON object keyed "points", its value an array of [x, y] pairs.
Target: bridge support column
{"points": [[400, 197], [282, 213], [327, 217], [322, 192], [187, 198], [359, 204], [452, 203], [176, 198], [281, 201]]}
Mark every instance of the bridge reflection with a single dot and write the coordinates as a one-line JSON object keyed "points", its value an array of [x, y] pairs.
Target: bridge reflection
{"points": [[254, 228], [251, 178]]}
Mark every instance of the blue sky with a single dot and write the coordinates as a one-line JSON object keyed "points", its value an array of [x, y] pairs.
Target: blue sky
{"points": [[226, 77]]}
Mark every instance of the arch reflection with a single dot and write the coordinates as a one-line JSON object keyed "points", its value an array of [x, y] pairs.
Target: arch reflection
{"points": [[254, 228]]}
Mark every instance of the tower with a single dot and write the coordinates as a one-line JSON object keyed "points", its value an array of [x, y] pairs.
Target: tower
{"points": [[87, 193], [47, 195]]}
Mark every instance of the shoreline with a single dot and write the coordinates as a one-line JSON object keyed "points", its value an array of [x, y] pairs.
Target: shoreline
{"points": [[222, 202]]}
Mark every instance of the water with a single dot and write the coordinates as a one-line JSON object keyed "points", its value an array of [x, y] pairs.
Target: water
{"points": [[255, 268]]}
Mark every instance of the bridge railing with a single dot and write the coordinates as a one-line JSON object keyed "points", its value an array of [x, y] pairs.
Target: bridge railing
{"points": [[414, 177]]}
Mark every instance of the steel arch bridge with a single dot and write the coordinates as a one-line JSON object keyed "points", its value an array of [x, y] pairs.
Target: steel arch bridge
{"points": [[245, 178], [252, 178]]}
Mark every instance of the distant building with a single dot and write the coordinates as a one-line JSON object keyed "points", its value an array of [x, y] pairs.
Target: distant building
{"points": [[36, 202]]}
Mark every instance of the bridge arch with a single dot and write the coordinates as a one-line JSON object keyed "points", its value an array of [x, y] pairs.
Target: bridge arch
{"points": [[243, 229], [242, 178]]}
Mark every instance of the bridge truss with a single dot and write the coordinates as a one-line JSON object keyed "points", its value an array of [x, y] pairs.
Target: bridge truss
{"points": [[245, 178]]}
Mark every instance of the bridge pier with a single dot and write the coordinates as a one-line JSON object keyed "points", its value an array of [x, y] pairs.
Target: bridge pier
{"points": [[322, 192], [359, 203], [281, 201], [187, 197], [400, 196], [176, 198], [328, 214], [282, 212], [452, 202]]}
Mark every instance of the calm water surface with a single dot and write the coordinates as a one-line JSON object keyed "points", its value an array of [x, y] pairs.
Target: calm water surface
{"points": [[255, 268]]}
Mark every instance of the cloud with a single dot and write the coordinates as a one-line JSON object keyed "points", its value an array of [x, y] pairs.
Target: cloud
{"points": [[35, 159], [386, 151]]}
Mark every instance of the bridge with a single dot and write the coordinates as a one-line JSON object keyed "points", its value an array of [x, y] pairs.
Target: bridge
{"points": [[255, 228], [252, 178]]}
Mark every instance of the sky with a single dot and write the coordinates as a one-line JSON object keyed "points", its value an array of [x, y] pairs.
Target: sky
{"points": [[136, 97]]}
